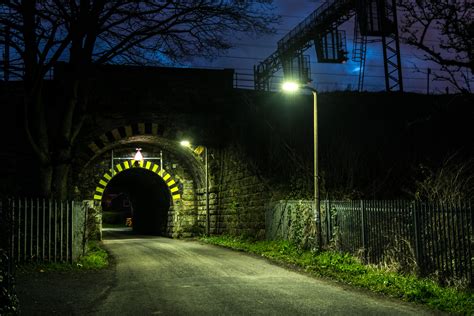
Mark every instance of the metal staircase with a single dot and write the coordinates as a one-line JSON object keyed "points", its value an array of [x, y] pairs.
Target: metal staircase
{"points": [[359, 54]]}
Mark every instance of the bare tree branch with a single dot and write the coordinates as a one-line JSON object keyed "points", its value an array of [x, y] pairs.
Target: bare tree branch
{"points": [[450, 25], [84, 32]]}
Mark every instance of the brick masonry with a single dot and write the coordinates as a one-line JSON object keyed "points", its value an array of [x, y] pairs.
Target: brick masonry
{"points": [[238, 194]]}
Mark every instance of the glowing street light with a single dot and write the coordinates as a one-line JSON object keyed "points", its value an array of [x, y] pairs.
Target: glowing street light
{"points": [[185, 143], [138, 155], [292, 87]]}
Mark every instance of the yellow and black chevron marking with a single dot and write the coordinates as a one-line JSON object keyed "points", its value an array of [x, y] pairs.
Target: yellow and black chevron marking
{"points": [[127, 164]]}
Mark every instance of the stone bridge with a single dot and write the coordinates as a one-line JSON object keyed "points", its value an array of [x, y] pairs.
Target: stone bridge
{"points": [[250, 137], [154, 109]]}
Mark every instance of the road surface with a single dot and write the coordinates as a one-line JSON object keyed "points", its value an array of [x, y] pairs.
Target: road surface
{"points": [[161, 276]]}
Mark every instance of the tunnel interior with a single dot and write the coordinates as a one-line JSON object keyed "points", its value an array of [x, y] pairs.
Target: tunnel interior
{"points": [[140, 195]]}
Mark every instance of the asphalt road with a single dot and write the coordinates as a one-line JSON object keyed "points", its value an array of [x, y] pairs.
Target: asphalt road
{"points": [[160, 276]]}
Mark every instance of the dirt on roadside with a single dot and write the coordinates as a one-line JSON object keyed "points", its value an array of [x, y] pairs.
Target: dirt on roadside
{"points": [[68, 293]]}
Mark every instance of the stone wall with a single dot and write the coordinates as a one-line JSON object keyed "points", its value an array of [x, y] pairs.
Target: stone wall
{"points": [[86, 226], [238, 195], [182, 216], [93, 220], [291, 220]]}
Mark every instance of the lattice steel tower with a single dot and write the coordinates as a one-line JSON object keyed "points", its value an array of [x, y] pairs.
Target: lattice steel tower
{"points": [[374, 18]]}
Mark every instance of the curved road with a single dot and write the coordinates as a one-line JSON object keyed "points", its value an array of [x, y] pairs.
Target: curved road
{"points": [[160, 276]]}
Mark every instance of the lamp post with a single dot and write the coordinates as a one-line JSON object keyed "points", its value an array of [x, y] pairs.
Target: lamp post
{"points": [[292, 87], [187, 144]]}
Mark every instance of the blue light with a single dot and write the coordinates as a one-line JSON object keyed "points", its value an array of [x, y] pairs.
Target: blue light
{"points": [[356, 69]]}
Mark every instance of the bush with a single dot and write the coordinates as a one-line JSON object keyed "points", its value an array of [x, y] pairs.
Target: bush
{"points": [[450, 182], [8, 299]]}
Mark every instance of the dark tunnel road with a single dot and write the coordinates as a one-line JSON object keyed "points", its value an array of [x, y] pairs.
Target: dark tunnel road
{"points": [[161, 276]]}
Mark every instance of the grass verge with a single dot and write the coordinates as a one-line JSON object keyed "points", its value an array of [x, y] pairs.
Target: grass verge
{"points": [[348, 269], [96, 258]]}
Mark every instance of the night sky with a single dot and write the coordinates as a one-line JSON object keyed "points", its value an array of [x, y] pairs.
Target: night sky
{"points": [[250, 51]]}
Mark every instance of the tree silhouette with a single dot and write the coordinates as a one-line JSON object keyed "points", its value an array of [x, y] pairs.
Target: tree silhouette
{"points": [[444, 32], [86, 32]]}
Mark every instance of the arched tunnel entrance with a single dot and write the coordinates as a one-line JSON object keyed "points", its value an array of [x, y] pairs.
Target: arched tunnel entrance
{"points": [[139, 194]]}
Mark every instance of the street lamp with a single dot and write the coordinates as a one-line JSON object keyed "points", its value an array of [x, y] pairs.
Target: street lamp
{"points": [[198, 150], [292, 87], [185, 143]]}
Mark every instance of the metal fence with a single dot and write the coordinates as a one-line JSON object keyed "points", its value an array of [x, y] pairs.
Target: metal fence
{"points": [[44, 230], [430, 239]]}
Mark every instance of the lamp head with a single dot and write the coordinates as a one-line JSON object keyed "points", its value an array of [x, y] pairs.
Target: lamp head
{"points": [[290, 86], [185, 143], [138, 155], [295, 86]]}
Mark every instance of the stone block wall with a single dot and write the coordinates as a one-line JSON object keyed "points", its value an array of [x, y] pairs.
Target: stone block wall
{"points": [[182, 215], [292, 220], [93, 220], [238, 195]]}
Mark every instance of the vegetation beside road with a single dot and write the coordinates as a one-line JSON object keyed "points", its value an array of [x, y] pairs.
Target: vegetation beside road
{"points": [[349, 270], [95, 258]]}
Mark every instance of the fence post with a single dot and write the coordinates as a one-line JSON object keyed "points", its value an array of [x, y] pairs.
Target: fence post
{"points": [[55, 230], [328, 219], [50, 208], [73, 231], [67, 230], [37, 213], [471, 215], [61, 231], [416, 232], [31, 228], [18, 239], [11, 208], [362, 230], [25, 227]]}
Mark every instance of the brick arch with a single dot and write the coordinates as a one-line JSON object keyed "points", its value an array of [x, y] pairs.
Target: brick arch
{"points": [[127, 164], [120, 133]]}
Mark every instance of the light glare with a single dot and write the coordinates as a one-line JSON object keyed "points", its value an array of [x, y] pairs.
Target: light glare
{"points": [[185, 143], [138, 155], [290, 86]]}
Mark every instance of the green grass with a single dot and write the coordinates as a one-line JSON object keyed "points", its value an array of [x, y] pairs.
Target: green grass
{"points": [[348, 269], [96, 258]]}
